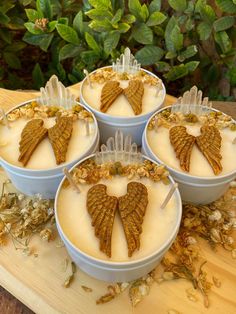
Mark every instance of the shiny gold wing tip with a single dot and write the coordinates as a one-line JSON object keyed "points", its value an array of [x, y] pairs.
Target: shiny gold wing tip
{"points": [[59, 136], [32, 134], [182, 143], [102, 208], [110, 91], [134, 94], [209, 143], [132, 208]]}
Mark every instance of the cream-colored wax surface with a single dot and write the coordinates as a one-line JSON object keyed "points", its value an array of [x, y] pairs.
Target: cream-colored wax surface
{"points": [[121, 106], [160, 144], [43, 156], [157, 225]]}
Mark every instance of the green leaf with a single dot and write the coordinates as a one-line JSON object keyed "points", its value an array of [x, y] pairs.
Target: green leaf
{"points": [[6, 6], [207, 14], [192, 65], [90, 57], [12, 60], [101, 26], [63, 20], [162, 66], [43, 40], [123, 27], [92, 43], [118, 4], [69, 51], [169, 27], [100, 3], [188, 53], [178, 5], [176, 72], [68, 33], [26, 2], [144, 12], [223, 23], [51, 26], [128, 18], [4, 19], [227, 6], [33, 14], [6, 35], [32, 29], [116, 18], [177, 38], [111, 41], [189, 24], [231, 74], [44, 6], [170, 55], [154, 6], [99, 14], [142, 34], [136, 9], [38, 76], [159, 31], [15, 46], [204, 30], [149, 54], [78, 22], [156, 18], [223, 41]]}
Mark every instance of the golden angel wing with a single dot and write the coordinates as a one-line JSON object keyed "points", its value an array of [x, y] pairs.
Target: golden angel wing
{"points": [[134, 94], [183, 145], [102, 208], [32, 134], [132, 208], [110, 91], [209, 143], [59, 136]]}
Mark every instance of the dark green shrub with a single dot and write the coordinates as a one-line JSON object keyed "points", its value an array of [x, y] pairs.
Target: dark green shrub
{"points": [[184, 42]]}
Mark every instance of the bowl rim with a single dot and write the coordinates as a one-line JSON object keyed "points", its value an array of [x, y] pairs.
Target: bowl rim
{"points": [[102, 262], [107, 115], [59, 167], [176, 171]]}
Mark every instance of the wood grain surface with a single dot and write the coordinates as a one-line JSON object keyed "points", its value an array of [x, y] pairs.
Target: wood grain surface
{"points": [[37, 282]]}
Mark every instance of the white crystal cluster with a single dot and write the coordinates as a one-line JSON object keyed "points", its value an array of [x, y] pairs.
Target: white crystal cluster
{"points": [[119, 148], [126, 63], [56, 94], [192, 101]]}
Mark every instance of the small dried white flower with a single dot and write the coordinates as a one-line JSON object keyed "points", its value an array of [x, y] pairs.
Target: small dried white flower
{"points": [[233, 253], [191, 240], [215, 216]]}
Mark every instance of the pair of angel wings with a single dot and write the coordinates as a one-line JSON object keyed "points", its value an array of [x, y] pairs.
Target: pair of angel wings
{"points": [[209, 143], [132, 208], [34, 132], [134, 94]]}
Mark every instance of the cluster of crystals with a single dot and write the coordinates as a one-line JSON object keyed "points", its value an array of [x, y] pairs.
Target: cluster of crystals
{"points": [[21, 217], [126, 63], [106, 74], [35, 110], [90, 172], [167, 119]]}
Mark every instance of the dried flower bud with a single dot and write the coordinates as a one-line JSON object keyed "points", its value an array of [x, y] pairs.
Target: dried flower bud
{"points": [[41, 24]]}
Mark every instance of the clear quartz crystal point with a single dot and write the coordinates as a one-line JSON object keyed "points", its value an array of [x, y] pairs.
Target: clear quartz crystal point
{"points": [[126, 63], [191, 102], [119, 148], [56, 94]]}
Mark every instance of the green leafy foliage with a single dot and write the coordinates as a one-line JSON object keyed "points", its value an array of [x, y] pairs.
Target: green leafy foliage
{"points": [[191, 42]]}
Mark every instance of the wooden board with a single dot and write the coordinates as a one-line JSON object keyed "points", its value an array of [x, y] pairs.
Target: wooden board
{"points": [[37, 282]]}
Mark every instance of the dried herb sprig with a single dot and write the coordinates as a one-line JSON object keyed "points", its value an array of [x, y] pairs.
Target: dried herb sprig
{"points": [[21, 217]]}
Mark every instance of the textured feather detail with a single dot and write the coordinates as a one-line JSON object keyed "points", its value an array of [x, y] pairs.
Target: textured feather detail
{"points": [[134, 94], [132, 208], [209, 143], [183, 145], [102, 208], [110, 91], [59, 136], [32, 134]]}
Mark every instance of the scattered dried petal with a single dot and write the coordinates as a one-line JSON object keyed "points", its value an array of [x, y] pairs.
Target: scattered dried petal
{"points": [[86, 289]]}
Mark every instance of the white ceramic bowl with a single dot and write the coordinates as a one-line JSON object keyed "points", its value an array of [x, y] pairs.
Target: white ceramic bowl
{"points": [[194, 189], [117, 271], [44, 182], [108, 124]]}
